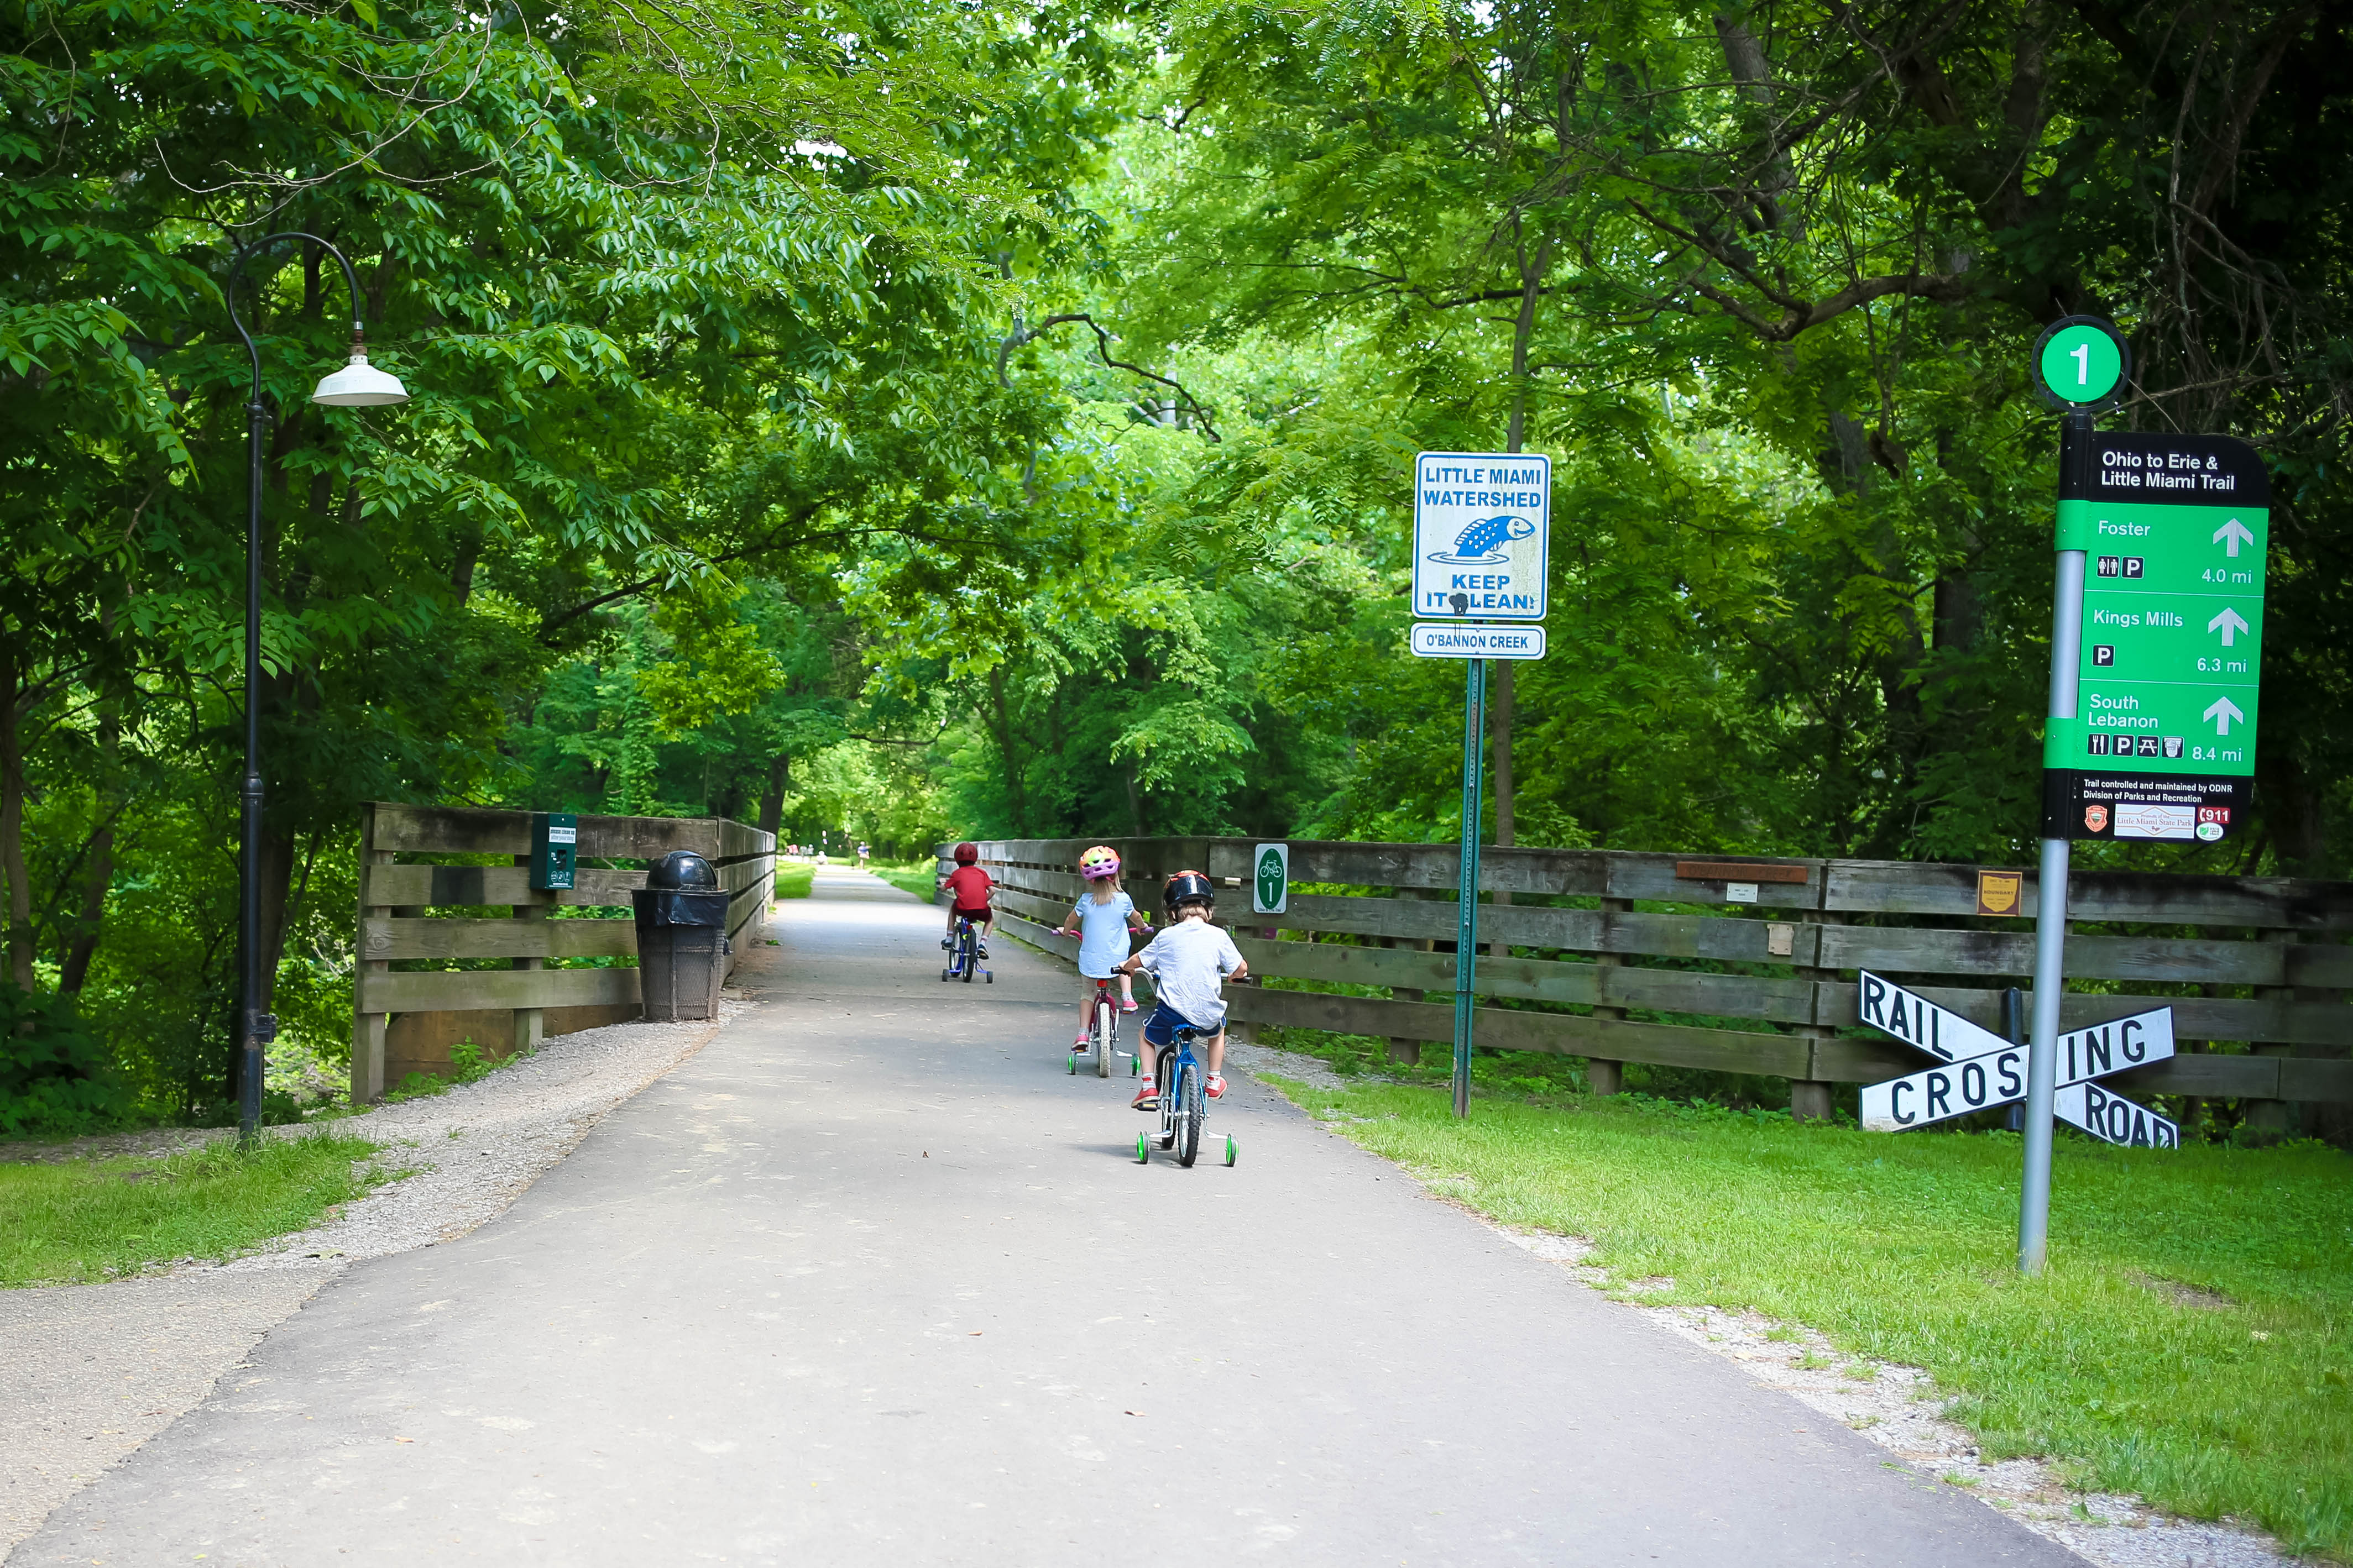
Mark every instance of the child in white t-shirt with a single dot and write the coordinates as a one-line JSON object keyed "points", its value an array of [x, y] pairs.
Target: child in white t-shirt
{"points": [[1101, 921], [1190, 960]]}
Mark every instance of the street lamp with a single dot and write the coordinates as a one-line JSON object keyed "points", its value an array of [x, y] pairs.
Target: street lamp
{"points": [[358, 385]]}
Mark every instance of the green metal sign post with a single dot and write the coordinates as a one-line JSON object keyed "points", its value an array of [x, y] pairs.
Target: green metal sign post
{"points": [[1466, 925]]}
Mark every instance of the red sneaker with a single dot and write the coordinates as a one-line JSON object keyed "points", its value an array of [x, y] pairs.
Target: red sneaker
{"points": [[1217, 1085], [1147, 1098]]}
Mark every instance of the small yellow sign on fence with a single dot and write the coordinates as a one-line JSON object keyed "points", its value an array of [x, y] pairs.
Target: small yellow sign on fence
{"points": [[1999, 892]]}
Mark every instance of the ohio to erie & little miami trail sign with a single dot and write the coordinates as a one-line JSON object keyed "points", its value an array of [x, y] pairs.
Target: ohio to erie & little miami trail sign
{"points": [[2162, 742], [1482, 533]]}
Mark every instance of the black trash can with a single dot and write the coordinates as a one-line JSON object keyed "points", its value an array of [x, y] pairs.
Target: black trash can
{"points": [[682, 939]]}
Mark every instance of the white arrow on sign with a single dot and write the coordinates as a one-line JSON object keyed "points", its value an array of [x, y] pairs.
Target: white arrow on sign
{"points": [[2232, 535], [2111, 1119], [2223, 713], [1998, 1078], [2229, 624]]}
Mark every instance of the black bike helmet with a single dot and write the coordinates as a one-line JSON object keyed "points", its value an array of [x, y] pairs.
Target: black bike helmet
{"points": [[1188, 888]]}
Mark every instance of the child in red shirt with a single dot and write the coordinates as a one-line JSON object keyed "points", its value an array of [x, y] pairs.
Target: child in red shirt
{"points": [[968, 888]]}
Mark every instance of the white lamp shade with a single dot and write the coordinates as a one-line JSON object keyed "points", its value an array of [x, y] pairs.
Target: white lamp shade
{"points": [[360, 384]]}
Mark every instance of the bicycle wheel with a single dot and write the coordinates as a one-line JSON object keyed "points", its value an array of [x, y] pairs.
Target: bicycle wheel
{"points": [[1167, 1078], [968, 954], [1103, 1027], [1189, 1117]]}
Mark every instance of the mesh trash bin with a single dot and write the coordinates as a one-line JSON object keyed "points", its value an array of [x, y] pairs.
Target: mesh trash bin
{"points": [[682, 918]]}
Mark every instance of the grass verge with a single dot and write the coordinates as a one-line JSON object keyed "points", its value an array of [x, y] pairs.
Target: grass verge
{"points": [[2192, 1341], [795, 881], [917, 877], [83, 1220]]}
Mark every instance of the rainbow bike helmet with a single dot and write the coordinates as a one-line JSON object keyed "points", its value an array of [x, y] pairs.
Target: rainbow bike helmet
{"points": [[1099, 862], [1188, 888], [967, 854]]}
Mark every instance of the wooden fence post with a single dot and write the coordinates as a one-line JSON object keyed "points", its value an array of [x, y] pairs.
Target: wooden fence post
{"points": [[1810, 1098], [1407, 1052], [2274, 1115], [530, 1023], [1607, 1076], [367, 1028]]}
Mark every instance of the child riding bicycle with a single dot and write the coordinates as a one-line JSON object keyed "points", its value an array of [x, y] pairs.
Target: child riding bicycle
{"points": [[1190, 959], [1101, 921], [968, 888]]}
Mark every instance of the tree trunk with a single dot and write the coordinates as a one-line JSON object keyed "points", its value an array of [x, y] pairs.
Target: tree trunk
{"points": [[772, 799], [12, 825], [276, 878], [1013, 791], [83, 944]]}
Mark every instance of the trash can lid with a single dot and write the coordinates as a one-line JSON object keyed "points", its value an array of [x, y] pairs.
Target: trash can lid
{"points": [[681, 869]]}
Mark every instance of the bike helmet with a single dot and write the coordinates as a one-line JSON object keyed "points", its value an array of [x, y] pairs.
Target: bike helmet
{"points": [[1188, 888], [967, 854], [1099, 862]]}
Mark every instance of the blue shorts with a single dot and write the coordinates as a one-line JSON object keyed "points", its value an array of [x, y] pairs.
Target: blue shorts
{"points": [[1160, 1030]]}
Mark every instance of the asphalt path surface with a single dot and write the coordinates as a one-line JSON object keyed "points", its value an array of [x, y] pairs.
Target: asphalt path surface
{"points": [[872, 1279]]}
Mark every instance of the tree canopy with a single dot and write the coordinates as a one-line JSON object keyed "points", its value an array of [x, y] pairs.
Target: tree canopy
{"points": [[909, 420]]}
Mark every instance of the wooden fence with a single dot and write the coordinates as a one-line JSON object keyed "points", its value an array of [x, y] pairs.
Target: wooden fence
{"points": [[2252, 963], [407, 1018]]}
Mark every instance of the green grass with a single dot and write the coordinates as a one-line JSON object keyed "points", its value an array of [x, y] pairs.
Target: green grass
{"points": [[795, 881], [917, 877], [2192, 1341], [83, 1220]]}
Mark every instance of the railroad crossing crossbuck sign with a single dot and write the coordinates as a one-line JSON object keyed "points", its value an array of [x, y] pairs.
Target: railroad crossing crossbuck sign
{"points": [[1980, 1070]]}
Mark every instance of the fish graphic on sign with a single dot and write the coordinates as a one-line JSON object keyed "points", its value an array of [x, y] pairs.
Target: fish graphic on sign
{"points": [[1477, 546]]}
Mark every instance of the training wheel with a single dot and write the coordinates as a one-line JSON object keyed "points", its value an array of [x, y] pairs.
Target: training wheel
{"points": [[1231, 1150], [988, 977], [1143, 1148], [943, 974], [1074, 1064], [1136, 1064]]}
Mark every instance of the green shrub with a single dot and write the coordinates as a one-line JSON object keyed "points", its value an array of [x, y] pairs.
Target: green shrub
{"points": [[54, 1078]]}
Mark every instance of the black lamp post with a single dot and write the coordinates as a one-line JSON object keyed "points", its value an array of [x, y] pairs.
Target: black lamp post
{"points": [[357, 386]]}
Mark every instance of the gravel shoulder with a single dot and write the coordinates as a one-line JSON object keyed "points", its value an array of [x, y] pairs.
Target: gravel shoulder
{"points": [[97, 1369]]}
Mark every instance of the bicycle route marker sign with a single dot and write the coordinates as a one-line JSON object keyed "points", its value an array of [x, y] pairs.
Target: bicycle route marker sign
{"points": [[1271, 880], [1980, 1070], [2162, 743], [1481, 536]]}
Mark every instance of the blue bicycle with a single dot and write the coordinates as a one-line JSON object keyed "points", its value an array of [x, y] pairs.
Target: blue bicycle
{"points": [[964, 956], [1184, 1104]]}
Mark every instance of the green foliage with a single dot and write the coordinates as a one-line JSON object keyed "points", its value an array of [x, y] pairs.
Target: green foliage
{"points": [[54, 1078], [82, 1220], [2180, 1347]]}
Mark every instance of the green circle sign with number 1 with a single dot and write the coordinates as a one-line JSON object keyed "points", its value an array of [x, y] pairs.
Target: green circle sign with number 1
{"points": [[2081, 364]]}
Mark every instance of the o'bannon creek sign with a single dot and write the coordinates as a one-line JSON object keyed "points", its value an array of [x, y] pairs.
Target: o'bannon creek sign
{"points": [[1442, 639], [1980, 1070]]}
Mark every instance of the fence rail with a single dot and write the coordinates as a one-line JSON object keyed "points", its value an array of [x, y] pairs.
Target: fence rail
{"points": [[407, 1021], [2259, 962]]}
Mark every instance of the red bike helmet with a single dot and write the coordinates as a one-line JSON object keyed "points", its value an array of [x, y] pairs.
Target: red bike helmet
{"points": [[967, 854]]}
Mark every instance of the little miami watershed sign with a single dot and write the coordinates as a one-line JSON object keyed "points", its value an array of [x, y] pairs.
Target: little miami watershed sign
{"points": [[1481, 536]]}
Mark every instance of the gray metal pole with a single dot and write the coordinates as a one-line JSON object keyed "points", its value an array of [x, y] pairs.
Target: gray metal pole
{"points": [[1466, 926], [2051, 907]]}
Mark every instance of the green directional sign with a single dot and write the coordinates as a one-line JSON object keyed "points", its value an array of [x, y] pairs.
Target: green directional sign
{"points": [[2162, 742]]}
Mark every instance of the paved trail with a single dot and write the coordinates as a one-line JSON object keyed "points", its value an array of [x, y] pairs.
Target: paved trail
{"points": [[871, 1280]]}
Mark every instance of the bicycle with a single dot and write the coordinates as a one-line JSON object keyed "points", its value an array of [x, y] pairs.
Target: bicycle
{"points": [[964, 956], [1184, 1105], [1103, 1036]]}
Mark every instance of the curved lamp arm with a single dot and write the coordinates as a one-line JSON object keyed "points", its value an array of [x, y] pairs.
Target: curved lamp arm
{"points": [[357, 385]]}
